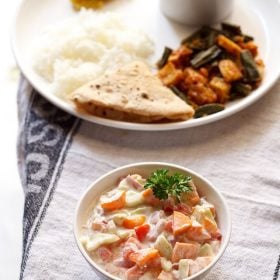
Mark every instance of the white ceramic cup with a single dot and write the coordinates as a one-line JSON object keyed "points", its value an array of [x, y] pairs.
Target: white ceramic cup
{"points": [[196, 12]]}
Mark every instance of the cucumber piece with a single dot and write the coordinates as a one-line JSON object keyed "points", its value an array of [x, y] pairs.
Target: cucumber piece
{"points": [[200, 212], [111, 227], [100, 239], [124, 233], [133, 199], [142, 211], [164, 247], [166, 264], [84, 239], [206, 251], [206, 204], [184, 268], [123, 185], [215, 245], [119, 218]]}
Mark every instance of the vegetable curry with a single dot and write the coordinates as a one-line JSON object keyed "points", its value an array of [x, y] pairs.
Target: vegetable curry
{"points": [[211, 67]]}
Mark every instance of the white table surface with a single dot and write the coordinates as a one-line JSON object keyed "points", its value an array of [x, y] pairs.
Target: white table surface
{"points": [[11, 195]]}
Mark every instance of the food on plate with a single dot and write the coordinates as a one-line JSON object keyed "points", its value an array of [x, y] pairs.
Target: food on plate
{"points": [[132, 93], [79, 49], [154, 228], [211, 67], [94, 4], [208, 109]]}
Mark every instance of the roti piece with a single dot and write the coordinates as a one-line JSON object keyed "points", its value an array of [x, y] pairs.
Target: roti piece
{"points": [[131, 94]]}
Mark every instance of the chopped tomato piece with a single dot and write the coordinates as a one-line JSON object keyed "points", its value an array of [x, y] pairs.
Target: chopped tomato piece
{"points": [[130, 246], [191, 198], [154, 269], [181, 223], [134, 273], [105, 253], [209, 225], [142, 231], [99, 225], [197, 232], [147, 192], [134, 221], [144, 257], [194, 198], [150, 198], [155, 266], [168, 206], [185, 251], [183, 208], [115, 203], [133, 240], [127, 250], [169, 226], [121, 262], [216, 236], [133, 182]]}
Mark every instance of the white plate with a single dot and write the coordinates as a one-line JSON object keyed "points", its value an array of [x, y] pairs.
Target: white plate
{"points": [[256, 17]]}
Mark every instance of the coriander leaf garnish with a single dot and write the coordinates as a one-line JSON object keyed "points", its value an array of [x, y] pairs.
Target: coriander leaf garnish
{"points": [[164, 185]]}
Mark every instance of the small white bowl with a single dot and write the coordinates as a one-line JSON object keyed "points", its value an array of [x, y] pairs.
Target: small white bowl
{"points": [[109, 180], [197, 12]]}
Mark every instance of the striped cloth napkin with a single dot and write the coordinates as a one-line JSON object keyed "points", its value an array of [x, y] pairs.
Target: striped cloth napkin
{"points": [[59, 156]]}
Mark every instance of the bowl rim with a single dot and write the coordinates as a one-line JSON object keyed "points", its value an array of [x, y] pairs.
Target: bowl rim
{"points": [[163, 164]]}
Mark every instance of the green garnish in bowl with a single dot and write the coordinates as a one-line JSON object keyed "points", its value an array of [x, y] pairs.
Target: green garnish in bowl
{"points": [[165, 185]]}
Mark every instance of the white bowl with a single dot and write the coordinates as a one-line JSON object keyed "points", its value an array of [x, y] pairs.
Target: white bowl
{"points": [[109, 180]]}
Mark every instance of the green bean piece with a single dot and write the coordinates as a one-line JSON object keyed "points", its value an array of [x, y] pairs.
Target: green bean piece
{"points": [[247, 38], [196, 35], [166, 53], [202, 39], [240, 90], [231, 29], [211, 38], [181, 94], [206, 56], [208, 109], [250, 67]]}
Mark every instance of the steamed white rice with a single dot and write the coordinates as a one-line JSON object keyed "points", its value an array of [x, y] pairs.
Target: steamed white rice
{"points": [[86, 46]]}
